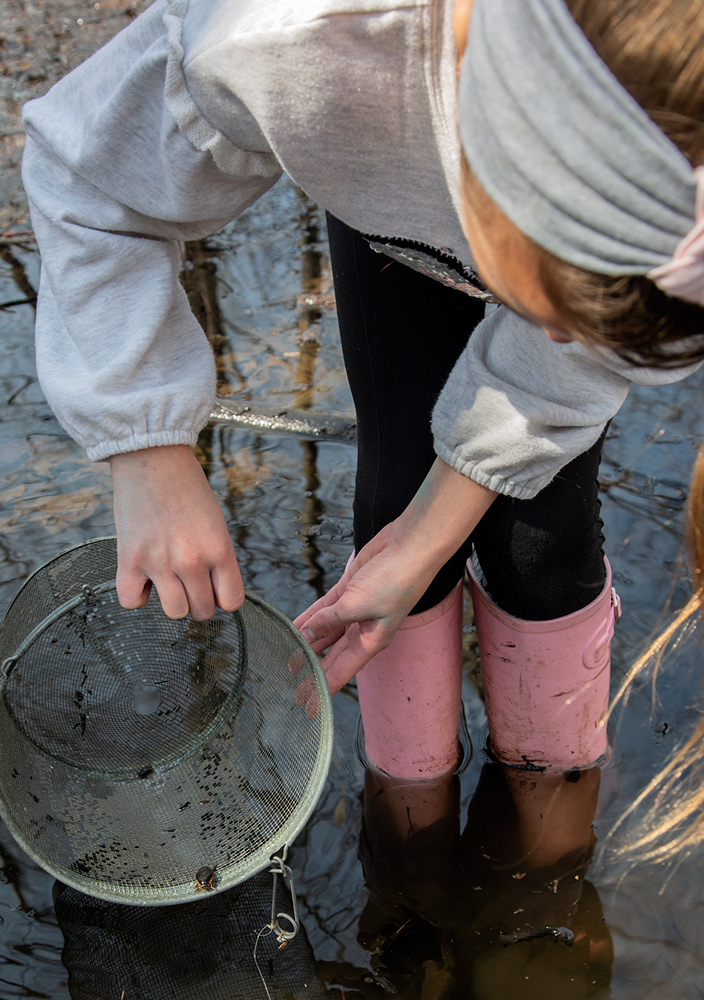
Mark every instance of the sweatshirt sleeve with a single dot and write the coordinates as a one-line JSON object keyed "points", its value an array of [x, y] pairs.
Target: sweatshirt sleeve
{"points": [[119, 167], [517, 406]]}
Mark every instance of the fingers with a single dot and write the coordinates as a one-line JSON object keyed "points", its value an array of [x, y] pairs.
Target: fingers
{"points": [[171, 531], [227, 584], [356, 648], [320, 639], [185, 586], [323, 627], [297, 662], [320, 645], [353, 621], [133, 588], [306, 695], [350, 647], [332, 596], [195, 586]]}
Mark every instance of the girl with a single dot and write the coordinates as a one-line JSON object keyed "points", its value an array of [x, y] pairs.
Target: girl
{"points": [[170, 131], [533, 97]]}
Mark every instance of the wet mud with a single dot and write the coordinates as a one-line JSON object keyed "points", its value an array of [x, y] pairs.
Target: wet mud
{"points": [[491, 884]]}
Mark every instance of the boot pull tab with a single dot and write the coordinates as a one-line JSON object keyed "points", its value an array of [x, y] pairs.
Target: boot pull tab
{"points": [[597, 652]]}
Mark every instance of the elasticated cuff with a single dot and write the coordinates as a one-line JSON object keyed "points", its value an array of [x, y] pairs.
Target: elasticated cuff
{"points": [[138, 442]]}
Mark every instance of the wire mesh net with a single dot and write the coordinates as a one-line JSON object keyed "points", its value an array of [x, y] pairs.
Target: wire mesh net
{"points": [[148, 760]]}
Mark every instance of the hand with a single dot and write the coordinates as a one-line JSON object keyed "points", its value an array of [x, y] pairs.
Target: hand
{"points": [[359, 616], [172, 533], [361, 613]]}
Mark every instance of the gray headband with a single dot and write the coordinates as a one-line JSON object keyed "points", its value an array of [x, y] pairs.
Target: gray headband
{"points": [[562, 148]]}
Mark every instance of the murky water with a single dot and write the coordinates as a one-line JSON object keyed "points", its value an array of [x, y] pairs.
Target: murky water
{"points": [[450, 911]]}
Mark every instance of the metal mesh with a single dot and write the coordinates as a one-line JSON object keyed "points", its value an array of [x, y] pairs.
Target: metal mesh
{"points": [[139, 751], [52, 585]]}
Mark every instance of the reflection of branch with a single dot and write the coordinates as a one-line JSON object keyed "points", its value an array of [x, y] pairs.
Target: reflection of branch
{"points": [[304, 372], [311, 271], [16, 302], [19, 276], [21, 240], [311, 516], [199, 279], [11, 872], [667, 493]]}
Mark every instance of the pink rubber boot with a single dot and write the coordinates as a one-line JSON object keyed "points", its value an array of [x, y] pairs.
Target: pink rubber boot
{"points": [[410, 694], [546, 684]]}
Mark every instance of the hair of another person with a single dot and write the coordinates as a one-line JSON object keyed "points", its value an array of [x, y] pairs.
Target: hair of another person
{"points": [[655, 49]]}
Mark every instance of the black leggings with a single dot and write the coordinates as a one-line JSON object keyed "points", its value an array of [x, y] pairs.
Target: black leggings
{"points": [[401, 335]]}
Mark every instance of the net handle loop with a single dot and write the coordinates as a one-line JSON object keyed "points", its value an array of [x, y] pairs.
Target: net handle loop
{"points": [[85, 597], [280, 868], [8, 665]]}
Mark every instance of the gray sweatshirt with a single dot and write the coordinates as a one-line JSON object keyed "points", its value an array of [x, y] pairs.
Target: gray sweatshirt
{"points": [[187, 117]]}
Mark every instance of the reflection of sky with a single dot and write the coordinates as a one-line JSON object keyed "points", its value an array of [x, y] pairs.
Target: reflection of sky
{"points": [[289, 506]]}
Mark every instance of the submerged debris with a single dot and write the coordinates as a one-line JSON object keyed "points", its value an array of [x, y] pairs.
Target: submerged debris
{"points": [[530, 934]]}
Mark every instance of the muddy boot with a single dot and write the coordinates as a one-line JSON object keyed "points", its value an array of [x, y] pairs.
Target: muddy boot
{"points": [[546, 683], [410, 694]]}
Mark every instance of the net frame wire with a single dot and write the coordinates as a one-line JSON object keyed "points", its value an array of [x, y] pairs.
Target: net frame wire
{"points": [[259, 859]]}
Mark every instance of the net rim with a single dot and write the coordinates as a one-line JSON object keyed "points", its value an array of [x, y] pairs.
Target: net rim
{"points": [[259, 858], [48, 562], [108, 587]]}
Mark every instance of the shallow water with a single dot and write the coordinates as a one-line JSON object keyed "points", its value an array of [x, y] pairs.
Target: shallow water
{"points": [[382, 915]]}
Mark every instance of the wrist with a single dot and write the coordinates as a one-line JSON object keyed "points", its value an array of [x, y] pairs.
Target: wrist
{"points": [[442, 515], [152, 459]]}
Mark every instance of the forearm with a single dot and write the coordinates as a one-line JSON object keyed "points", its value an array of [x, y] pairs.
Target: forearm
{"points": [[443, 513]]}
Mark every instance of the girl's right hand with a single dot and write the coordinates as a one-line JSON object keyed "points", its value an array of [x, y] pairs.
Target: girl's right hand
{"points": [[171, 533]]}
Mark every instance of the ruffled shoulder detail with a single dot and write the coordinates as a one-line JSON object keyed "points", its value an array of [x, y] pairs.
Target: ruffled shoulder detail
{"points": [[229, 158]]}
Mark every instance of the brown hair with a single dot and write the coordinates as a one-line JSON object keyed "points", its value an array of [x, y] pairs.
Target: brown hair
{"points": [[653, 47]]}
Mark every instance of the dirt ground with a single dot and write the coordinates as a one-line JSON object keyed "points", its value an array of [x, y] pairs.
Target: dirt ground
{"points": [[40, 41]]}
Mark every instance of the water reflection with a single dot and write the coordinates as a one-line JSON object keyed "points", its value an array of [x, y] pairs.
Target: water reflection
{"points": [[311, 286], [502, 909], [247, 469], [202, 950], [18, 274], [418, 925], [199, 280]]}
